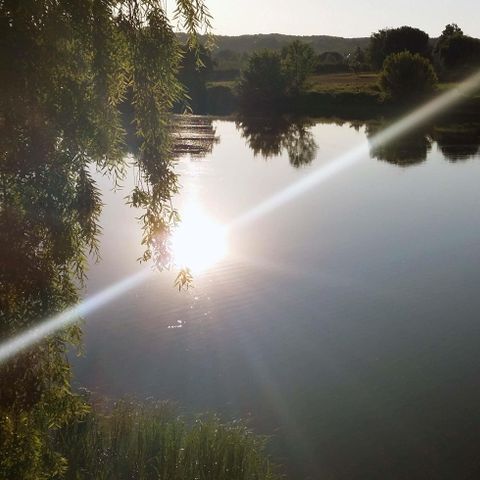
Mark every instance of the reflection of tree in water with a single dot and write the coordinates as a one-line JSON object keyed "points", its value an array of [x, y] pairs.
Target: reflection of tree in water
{"points": [[193, 135], [458, 142], [269, 137], [405, 150], [301, 146]]}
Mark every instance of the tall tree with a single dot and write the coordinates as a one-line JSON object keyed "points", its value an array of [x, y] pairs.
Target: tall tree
{"points": [[387, 41], [457, 53], [298, 60], [451, 29]]}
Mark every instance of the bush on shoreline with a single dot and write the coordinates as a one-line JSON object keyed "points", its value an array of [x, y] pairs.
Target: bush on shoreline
{"points": [[406, 76]]}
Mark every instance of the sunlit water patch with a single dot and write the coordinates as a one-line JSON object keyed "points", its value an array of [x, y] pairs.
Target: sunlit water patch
{"points": [[198, 242]]}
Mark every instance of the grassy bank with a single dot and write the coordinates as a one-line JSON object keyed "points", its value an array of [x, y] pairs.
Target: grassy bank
{"points": [[143, 441]]}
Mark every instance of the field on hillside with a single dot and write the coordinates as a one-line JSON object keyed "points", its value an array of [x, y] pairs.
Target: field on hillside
{"points": [[329, 82], [343, 82]]}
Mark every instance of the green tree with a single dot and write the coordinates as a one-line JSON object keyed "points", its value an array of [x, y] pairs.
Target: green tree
{"points": [[48, 224], [387, 41], [406, 76], [451, 29], [298, 60], [65, 68], [458, 54], [271, 77], [195, 67], [263, 84]]}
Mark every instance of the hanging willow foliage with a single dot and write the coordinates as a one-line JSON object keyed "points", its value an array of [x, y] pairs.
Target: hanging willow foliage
{"points": [[65, 69]]}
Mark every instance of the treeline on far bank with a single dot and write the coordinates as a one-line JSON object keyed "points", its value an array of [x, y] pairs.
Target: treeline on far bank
{"points": [[397, 67]]}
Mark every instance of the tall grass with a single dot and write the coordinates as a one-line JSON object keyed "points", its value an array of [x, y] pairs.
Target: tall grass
{"points": [[149, 441]]}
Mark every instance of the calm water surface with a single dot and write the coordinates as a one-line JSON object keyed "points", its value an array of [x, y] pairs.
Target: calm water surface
{"points": [[345, 323]]}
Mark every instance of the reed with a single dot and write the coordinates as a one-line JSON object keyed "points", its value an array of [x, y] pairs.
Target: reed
{"points": [[143, 441]]}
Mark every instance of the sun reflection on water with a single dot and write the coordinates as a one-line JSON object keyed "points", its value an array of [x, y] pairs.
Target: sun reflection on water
{"points": [[199, 241]]}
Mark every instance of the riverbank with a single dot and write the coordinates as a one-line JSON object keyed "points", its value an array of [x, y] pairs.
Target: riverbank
{"points": [[341, 95]]}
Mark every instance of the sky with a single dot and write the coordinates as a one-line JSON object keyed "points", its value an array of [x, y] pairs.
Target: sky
{"points": [[344, 18]]}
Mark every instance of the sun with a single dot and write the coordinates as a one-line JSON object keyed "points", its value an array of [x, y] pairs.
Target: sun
{"points": [[199, 241]]}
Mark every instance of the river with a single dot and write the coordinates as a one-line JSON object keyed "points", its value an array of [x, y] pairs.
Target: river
{"points": [[344, 322]]}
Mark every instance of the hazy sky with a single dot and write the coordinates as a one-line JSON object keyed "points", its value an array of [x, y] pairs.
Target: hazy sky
{"points": [[346, 18]]}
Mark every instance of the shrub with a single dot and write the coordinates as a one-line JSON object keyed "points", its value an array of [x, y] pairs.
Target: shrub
{"points": [[407, 76], [263, 83]]}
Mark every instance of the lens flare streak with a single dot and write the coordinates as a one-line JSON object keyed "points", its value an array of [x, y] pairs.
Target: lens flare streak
{"points": [[53, 324], [12, 346]]}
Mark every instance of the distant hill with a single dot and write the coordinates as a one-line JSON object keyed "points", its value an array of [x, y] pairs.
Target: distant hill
{"points": [[320, 43]]}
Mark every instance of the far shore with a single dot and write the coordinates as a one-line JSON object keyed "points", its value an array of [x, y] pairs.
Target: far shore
{"points": [[346, 95]]}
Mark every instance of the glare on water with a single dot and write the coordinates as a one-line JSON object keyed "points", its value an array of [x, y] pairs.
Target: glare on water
{"points": [[199, 241]]}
